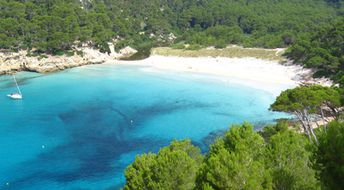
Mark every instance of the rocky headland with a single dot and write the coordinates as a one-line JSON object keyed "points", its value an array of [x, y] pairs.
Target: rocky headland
{"points": [[22, 61]]}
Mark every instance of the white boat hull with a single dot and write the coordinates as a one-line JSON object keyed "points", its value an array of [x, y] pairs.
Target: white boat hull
{"points": [[15, 96], [18, 94]]}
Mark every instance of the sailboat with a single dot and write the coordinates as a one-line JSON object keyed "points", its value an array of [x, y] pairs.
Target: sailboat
{"points": [[17, 95]]}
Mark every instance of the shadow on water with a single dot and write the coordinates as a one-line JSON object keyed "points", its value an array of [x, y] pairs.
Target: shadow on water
{"points": [[210, 139], [96, 157], [213, 136], [166, 107], [7, 81], [98, 136]]}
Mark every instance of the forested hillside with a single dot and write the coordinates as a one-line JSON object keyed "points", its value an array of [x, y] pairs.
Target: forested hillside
{"points": [[53, 26], [50, 25], [324, 50]]}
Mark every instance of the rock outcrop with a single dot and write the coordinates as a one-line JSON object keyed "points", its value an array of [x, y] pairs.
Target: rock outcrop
{"points": [[21, 61], [127, 51]]}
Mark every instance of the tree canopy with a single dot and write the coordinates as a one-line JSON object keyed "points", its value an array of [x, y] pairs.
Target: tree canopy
{"points": [[174, 167], [323, 50], [308, 104], [240, 159], [329, 157], [236, 162], [313, 28], [55, 25], [288, 158]]}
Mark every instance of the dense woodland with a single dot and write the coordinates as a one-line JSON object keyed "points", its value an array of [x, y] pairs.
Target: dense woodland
{"points": [[278, 157], [313, 28], [324, 50]]}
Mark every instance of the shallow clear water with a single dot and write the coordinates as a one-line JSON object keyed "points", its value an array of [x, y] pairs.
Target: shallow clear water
{"points": [[80, 128]]}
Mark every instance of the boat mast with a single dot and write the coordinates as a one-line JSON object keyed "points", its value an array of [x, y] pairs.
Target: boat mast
{"points": [[17, 84]]}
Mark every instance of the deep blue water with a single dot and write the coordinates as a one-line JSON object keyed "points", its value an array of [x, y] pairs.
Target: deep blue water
{"points": [[80, 128]]}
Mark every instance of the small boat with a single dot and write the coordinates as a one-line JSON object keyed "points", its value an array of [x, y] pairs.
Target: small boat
{"points": [[15, 96], [18, 95]]}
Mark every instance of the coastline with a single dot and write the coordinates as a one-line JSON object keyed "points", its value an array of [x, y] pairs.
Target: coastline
{"points": [[11, 62], [259, 68], [262, 74]]}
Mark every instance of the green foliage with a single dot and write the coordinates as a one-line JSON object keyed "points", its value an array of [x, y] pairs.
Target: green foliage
{"points": [[322, 50], [306, 98], [174, 167], [305, 102], [178, 46], [241, 159], [340, 89], [288, 161], [236, 162], [50, 26], [194, 47], [270, 130], [329, 156]]}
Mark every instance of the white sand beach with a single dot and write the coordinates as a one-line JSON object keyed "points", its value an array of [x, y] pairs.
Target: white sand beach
{"points": [[262, 74]]}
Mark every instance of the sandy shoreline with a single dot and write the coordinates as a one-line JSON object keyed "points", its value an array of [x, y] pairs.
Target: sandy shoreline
{"points": [[262, 74], [258, 68]]}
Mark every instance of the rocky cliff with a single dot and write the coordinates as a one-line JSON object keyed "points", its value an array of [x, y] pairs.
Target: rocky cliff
{"points": [[21, 61]]}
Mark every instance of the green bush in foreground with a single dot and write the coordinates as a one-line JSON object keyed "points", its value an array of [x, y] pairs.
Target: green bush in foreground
{"points": [[174, 167], [329, 156], [243, 159], [287, 157], [236, 162]]}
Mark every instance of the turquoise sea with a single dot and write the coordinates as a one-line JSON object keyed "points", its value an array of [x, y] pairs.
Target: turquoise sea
{"points": [[80, 128]]}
